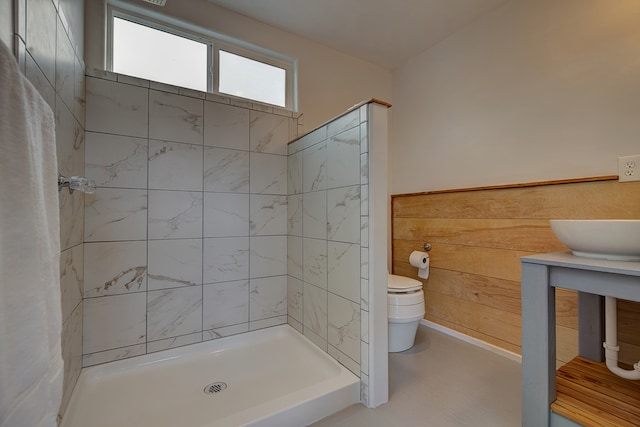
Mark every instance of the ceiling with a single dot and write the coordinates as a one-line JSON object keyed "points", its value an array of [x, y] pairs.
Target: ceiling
{"points": [[383, 32]]}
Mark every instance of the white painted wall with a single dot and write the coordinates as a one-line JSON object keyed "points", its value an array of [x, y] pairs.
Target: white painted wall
{"points": [[329, 81], [536, 90]]}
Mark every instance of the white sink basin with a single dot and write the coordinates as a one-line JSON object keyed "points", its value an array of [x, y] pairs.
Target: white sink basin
{"points": [[614, 239]]}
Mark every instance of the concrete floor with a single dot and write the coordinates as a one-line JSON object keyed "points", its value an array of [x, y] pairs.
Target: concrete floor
{"points": [[443, 382]]}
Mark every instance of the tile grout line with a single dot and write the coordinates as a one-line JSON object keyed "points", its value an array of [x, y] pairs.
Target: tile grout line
{"points": [[146, 314], [202, 233]]}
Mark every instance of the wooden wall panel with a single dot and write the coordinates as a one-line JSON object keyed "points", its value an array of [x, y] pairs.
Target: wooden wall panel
{"points": [[629, 355], [475, 334], [517, 234], [497, 263], [566, 308], [582, 200], [629, 331], [486, 320], [566, 344], [478, 237]]}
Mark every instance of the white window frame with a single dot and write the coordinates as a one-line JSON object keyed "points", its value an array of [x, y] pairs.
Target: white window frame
{"points": [[215, 43]]}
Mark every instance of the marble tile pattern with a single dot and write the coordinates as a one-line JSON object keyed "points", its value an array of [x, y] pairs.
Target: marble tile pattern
{"points": [[225, 304], [225, 331], [295, 259], [268, 256], [314, 214], [294, 298], [267, 298], [71, 223], [314, 254], [269, 133], [225, 259], [70, 139], [294, 215], [226, 170], [343, 359], [113, 214], [116, 161], [49, 41], [271, 177], [39, 81], [117, 108], [344, 270], [328, 211], [175, 166], [71, 279], [268, 215], [99, 357], [294, 174], [65, 63], [343, 152], [343, 214], [41, 35], [344, 326], [226, 214], [174, 312], [174, 214], [315, 316], [174, 263], [267, 323], [226, 126], [114, 268], [114, 321], [186, 234], [71, 351], [314, 168], [175, 118], [173, 342]]}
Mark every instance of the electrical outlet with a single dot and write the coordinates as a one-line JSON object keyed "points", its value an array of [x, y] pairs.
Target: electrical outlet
{"points": [[629, 168]]}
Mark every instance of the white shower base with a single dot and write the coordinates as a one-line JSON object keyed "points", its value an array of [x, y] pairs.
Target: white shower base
{"points": [[275, 377]]}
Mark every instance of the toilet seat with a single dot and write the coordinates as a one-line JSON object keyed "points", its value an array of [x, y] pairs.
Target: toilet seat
{"points": [[401, 284]]}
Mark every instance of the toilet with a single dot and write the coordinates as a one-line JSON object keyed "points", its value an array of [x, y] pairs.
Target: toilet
{"points": [[405, 307]]}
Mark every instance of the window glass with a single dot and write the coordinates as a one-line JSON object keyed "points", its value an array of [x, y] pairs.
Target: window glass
{"points": [[152, 54], [247, 78]]}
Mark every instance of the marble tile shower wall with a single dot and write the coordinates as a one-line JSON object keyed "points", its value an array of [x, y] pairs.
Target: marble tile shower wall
{"points": [[327, 261], [48, 39], [186, 235]]}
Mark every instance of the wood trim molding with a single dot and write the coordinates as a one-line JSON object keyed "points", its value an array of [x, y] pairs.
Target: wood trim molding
{"points": [[350, 109], [506, 186]]}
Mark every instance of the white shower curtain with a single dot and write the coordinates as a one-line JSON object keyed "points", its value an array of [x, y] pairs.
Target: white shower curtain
{"points": [[31, 367]]}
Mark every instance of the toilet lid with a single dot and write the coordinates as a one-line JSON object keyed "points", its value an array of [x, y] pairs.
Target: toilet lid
{"points": [[402, 284]]}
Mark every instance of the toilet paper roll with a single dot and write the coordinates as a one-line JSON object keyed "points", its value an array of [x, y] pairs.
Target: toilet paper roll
{"points": [[420, 260]]}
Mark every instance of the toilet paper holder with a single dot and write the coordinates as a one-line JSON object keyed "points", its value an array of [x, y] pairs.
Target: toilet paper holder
{"points": [[426, 247]]}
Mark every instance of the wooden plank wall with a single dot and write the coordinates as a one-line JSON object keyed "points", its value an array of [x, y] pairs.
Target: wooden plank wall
{"points": [[478, 237]]}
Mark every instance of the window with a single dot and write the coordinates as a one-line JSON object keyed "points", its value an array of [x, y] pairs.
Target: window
{"points": [[251, 79], [149, 45], [152, 54]]}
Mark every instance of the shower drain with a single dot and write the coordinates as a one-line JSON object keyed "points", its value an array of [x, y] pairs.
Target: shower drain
{"points": [[214, 388]]}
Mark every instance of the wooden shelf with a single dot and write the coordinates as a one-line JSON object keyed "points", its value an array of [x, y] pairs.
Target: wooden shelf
{"points": [[589, 394]]}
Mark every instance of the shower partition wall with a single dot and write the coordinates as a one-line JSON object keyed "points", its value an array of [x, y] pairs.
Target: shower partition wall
{"points": [[206, 223], [185, 237], [337, 243]]}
